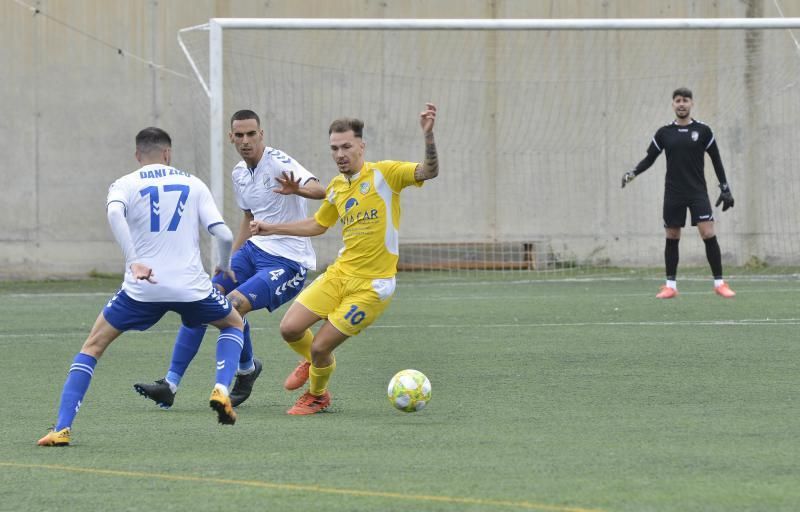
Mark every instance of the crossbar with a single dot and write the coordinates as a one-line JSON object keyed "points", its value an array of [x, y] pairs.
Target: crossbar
{"points": [[507, 24]]}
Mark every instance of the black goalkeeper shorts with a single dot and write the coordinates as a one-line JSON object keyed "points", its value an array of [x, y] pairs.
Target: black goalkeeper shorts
{"points": [[675, 210]]}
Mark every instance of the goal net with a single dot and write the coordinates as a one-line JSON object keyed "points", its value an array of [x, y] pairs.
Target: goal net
{"points": [[535, 129]]}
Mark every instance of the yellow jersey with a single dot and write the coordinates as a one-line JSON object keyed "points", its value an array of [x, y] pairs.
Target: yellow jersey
{"points": [[368, 207]]}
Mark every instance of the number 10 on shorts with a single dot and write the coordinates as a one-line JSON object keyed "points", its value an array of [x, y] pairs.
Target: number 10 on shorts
{"points": [[355, 316]]}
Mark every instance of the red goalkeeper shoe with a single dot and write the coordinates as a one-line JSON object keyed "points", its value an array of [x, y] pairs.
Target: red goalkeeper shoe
{"points": [[724, 290], [667, 293]]}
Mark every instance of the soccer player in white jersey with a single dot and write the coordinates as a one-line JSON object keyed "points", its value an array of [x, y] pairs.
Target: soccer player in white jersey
{"points": [[268, 271], [155, 213], [356, 289]]}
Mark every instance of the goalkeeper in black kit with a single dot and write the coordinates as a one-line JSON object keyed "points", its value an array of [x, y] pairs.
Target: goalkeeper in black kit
{"points": [[685, 142]]}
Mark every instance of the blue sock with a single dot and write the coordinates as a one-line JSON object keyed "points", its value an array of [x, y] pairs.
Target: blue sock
{"points": [[246, 359], [187, 343], [78, 379], [229, 347]]}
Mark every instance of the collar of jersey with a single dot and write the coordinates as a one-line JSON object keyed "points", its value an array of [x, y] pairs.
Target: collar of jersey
{"points": [[155, 166], [353, 178]]}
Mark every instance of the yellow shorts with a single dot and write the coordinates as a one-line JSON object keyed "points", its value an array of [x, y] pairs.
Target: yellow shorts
{"points": [[349, 303]]}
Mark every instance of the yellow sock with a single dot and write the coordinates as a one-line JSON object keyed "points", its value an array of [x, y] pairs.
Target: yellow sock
{"points": [[319, 377], [303, 345]]}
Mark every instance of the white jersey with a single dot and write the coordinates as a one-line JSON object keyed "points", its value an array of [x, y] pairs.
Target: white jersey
{"points": [[254, 192], [165, 208]]}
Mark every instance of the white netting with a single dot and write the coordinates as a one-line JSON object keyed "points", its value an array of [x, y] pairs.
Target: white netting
{"points": [[535, 129]]}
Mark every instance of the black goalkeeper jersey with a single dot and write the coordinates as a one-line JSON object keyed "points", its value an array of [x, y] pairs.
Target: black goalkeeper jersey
{"points": [[685, 147]]}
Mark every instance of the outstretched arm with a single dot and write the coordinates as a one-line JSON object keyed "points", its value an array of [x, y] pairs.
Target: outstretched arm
{"points": [[305, 227], [429, 168], [652, 153]]}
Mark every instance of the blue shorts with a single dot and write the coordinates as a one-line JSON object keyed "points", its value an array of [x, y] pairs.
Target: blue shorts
{"points": [[125, 313], [268, 281]]}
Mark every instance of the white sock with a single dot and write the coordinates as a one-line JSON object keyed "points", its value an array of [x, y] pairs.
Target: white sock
{"points": [[672, 284], [718, 282], [223, 389], [172, 386], [247, 371]]}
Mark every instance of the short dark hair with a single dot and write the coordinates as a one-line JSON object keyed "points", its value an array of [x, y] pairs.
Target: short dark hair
{"points": [[684, 92], [241, 115], [345, 124], [152, 139]]}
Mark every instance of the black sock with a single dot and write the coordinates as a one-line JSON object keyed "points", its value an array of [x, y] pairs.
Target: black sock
{"points": [[671, 258], [714, 256]]}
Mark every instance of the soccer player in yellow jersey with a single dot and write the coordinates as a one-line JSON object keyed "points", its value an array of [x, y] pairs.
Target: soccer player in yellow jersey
{"points": [[356, 289]]}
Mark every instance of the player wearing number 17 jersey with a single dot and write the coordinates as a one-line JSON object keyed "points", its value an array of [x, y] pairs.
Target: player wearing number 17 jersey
{"points": [[268, 271], [155, 214], [356, 289]]}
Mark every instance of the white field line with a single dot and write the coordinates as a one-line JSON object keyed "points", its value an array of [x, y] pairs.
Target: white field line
{"points": [[545, 296], [761, 322], [399, 295], [750, 322], [463, 298], [793, 278]]}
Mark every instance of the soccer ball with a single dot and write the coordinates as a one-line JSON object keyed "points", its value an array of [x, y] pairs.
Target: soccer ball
{"points": [[409, 390]]}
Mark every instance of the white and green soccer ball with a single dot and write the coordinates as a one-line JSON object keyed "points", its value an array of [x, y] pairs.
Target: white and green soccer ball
{"points": [[409, 390]]}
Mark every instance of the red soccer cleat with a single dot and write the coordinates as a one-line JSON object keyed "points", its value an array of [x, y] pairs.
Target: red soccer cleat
{"points": [[667, 293], [298, 377], [310, 404], [724, 290]]}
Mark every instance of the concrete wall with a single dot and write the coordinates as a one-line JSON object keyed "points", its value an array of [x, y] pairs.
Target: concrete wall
{"points": [[74, 92]]}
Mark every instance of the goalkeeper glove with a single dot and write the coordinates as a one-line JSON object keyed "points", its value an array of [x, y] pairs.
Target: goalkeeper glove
{"points": [[725, 197], [628, 177]]}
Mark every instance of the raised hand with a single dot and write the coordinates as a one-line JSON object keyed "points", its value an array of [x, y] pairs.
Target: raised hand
{"points": [[289, 185], [427, 118]]}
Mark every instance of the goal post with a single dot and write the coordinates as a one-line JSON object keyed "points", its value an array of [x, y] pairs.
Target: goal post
{"points": [[517, 154]]}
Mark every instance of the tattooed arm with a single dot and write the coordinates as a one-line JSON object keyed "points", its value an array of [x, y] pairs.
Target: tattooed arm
{"points": [[429, 168]]}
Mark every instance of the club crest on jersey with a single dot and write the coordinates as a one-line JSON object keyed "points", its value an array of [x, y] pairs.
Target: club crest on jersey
{"points": [[695, 136], [267, 180], [364, 188]]}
